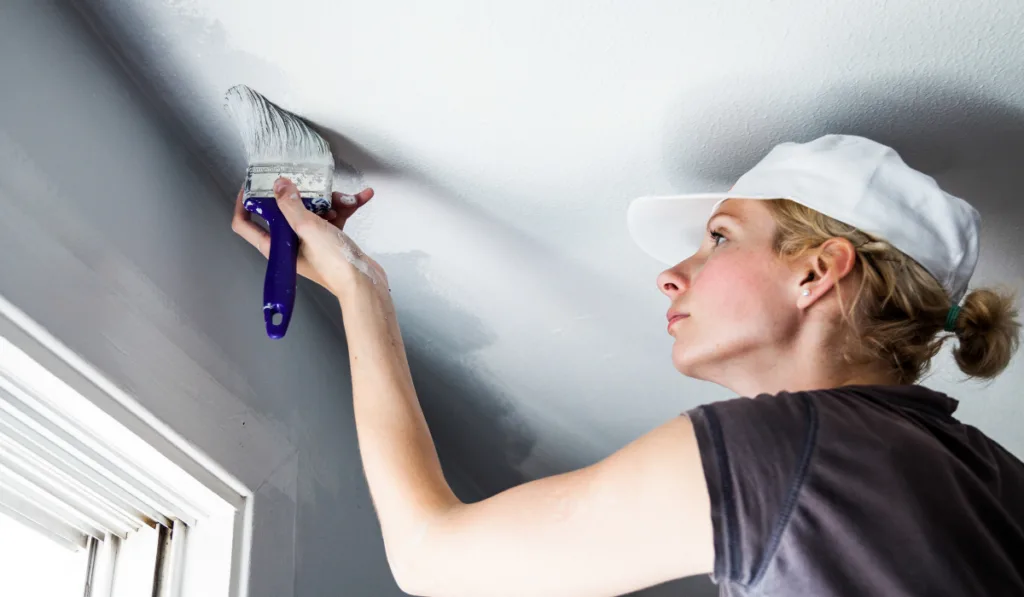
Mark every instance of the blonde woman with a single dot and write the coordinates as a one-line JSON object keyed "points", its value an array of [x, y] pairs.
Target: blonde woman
{"points": [[817, 290]]}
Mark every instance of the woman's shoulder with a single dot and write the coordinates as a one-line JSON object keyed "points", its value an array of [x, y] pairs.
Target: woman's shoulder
{"points": [[804, 408], [784, 429]]}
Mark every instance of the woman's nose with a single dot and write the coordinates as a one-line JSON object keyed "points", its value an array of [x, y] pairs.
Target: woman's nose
{"points": [[673, 281]]}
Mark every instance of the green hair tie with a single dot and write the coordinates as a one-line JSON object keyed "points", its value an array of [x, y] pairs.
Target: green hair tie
{"points": [[951, 317]]}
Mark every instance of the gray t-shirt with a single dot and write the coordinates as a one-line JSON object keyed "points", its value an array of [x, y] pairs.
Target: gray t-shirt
{"points": [[859, 490]]}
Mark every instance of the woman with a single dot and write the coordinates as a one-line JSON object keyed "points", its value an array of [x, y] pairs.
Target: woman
{"points": [[841, 477]]}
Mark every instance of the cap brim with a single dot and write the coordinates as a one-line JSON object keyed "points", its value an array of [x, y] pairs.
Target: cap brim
{"points": [[670, 228]]}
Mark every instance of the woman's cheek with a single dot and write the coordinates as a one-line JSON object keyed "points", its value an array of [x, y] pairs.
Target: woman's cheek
{"points": [[730, 283]]}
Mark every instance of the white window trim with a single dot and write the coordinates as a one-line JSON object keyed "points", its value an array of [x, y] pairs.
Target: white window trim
{"points": [[24, 333]]}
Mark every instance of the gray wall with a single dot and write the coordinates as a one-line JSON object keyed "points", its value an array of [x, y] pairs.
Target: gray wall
{"points": [[117, 240]]}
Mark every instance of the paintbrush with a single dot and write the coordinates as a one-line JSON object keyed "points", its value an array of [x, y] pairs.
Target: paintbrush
{"points": [[279, 143]]}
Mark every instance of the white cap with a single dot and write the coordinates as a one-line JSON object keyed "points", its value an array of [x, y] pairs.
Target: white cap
{"points": [[853, 179]]}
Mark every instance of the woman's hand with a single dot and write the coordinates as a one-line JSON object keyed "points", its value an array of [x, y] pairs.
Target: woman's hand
{"points": [[326, 254]]}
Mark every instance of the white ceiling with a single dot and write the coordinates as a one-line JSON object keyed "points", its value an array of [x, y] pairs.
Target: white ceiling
{"points": [[505, 140]]}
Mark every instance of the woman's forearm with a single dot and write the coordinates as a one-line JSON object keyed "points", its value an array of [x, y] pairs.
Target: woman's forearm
{"points": [[401, 463]]}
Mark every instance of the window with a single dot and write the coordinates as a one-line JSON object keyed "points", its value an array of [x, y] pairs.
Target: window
{"points": [[88, 507], [32, 564]]}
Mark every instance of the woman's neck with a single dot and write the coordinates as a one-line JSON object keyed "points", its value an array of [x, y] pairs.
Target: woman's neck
{"points": [[799, 367]]}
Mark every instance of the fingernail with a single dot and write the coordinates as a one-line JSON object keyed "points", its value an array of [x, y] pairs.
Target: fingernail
{"points": [[280, 184]]}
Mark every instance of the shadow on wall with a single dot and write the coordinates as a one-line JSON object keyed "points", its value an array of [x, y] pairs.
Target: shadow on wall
{"points": [[933, 126], [350, 159], [149, 58], [473, 422]]}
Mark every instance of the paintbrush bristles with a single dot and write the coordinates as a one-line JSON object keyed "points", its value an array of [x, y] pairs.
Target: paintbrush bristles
{"points": [[280, 144], [273, 135]]}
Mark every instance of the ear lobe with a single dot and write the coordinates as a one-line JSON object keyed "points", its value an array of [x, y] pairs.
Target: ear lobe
{"points": [[810, 290], [825, 267]]}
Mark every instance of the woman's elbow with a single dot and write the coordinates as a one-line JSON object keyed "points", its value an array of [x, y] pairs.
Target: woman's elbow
{"points": [[398, 571], [409, 578], [420, 551], [410, 568]]}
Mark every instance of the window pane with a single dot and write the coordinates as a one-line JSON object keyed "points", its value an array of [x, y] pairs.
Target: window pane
{"points": [[32, 565], [136, 563]]}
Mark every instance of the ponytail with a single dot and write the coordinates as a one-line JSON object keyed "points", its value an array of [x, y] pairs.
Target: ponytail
{"points": [[988, 332]]}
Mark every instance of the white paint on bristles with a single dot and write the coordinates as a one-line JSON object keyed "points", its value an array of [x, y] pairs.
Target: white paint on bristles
{"points": [[272, 135]]}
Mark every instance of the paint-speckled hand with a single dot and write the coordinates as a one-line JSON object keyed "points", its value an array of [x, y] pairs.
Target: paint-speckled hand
{"points": [[326, 254]]}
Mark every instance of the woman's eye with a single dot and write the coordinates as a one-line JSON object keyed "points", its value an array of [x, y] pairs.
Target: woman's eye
{"points": [[716, 237]]}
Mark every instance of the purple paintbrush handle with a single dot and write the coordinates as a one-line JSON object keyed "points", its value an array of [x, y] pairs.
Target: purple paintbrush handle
{"points": [[279, 285]]}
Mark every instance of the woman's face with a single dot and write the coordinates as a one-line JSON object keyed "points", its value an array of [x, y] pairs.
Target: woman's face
{"points": [[734, 302]]}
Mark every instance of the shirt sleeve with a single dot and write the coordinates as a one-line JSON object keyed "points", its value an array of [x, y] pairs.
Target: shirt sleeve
{"points": [[755, 454]]}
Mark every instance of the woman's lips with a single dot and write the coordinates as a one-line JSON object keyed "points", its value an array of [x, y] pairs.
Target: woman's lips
{"points": [[674, 318]]}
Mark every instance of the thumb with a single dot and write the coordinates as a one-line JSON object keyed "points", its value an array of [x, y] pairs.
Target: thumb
{"points": [[290, 204]]}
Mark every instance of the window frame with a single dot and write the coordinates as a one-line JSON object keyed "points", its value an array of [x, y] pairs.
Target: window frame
{"points": [[25, 334]]}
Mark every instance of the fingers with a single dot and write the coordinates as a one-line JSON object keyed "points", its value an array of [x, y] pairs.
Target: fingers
{"points": [[343, 206], [349, 203], [242, 225], [290, 204], [239, 208], [254, 235]]}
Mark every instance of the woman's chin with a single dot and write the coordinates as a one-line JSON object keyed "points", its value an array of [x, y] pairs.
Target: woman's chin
{"points": [[684, 362]]}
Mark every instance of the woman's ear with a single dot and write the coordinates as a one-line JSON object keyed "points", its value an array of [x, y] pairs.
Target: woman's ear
{"points": [[824, 267]]}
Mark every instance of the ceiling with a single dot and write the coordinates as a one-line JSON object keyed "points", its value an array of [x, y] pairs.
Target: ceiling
{"points": [[505, 141]]}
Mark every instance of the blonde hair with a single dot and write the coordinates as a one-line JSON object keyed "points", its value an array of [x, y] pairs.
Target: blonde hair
{"points": [[898, 315]]}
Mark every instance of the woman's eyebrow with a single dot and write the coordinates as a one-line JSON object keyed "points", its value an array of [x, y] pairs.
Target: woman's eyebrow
{"points": [[723, 214]]}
